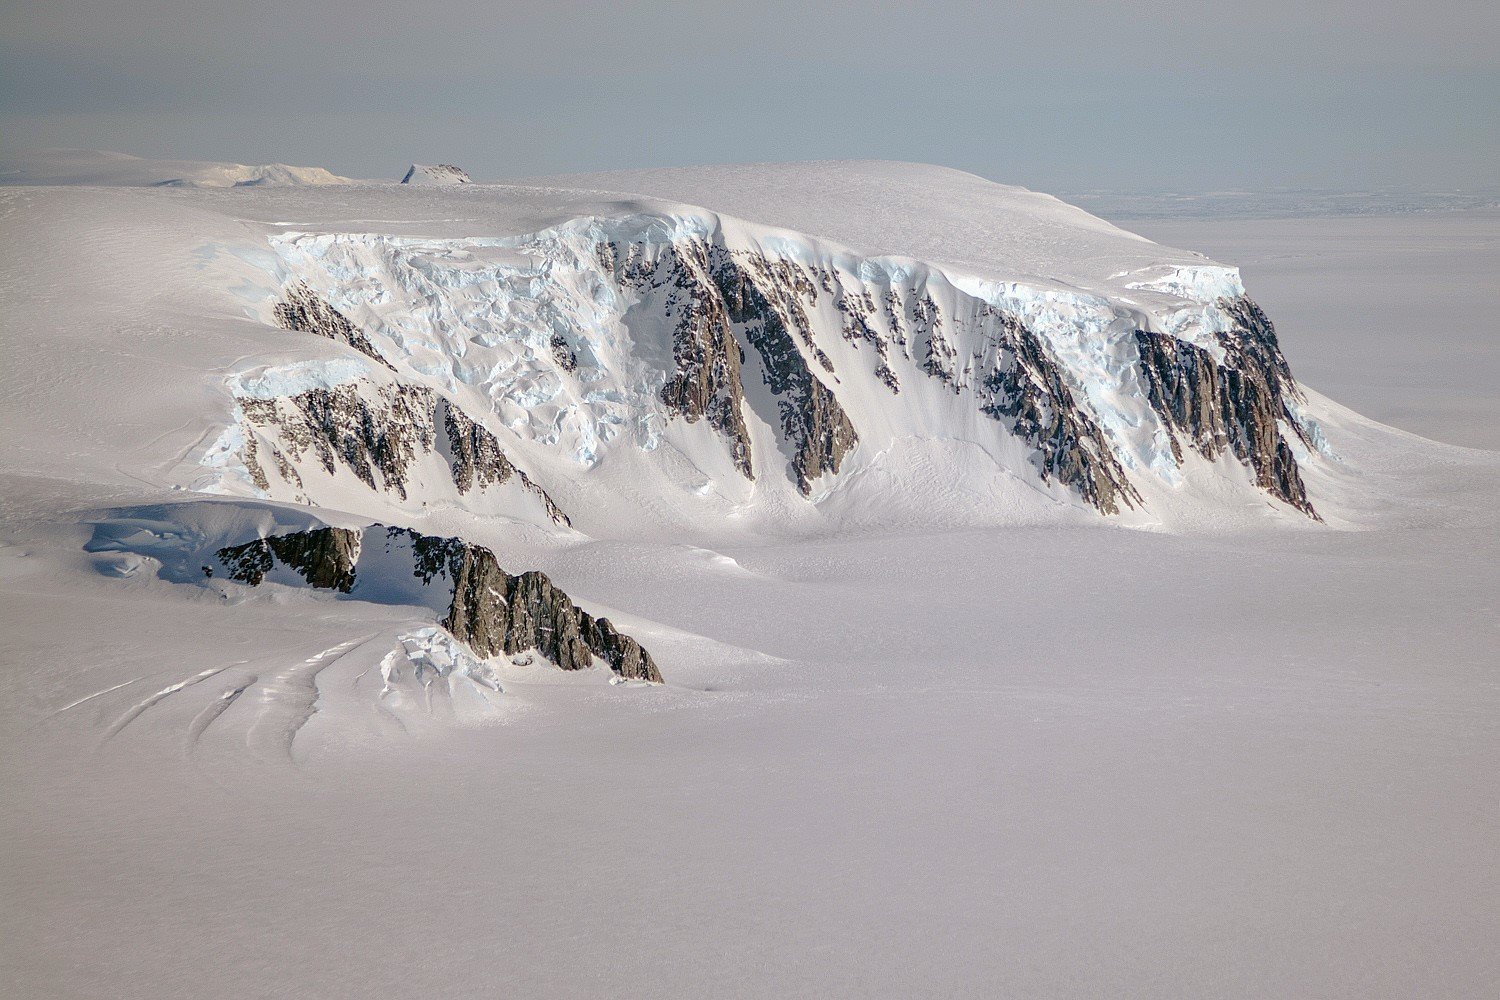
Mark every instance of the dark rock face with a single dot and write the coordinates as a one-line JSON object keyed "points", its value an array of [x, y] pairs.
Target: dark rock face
{"points": [[709, 297], [303, 310], [722, 306], [373, 429], [858, 311], [369, 427], [705, 380], [494, 612], [324, 557], [476, 458], [565, 356], [812, 420], [1025, 386], [474, 453], [714, 295], [939, 359], [382, 430], [1234, 405], [488, 609]]}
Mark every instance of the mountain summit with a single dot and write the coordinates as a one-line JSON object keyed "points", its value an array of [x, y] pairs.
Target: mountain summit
{"points": [[439, 175]]}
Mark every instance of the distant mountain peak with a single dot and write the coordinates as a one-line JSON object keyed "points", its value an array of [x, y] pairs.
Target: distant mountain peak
{"points": [[102, 168], [438, 174]]}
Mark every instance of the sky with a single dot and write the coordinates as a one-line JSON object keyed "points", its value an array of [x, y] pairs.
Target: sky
{"points": [[1147, 96]]}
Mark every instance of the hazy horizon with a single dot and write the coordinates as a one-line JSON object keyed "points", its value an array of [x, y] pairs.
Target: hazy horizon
{"points": [[1072, 98]]}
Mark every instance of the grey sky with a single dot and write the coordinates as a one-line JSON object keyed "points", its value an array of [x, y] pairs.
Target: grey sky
{"points": [[1147, 96]]}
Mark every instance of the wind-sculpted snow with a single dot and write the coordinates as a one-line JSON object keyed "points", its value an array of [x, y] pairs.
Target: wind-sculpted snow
{"points": [[487, 609], [609, 332]]}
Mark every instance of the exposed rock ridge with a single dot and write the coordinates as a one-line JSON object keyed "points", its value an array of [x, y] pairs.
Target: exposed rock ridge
{"points": [[494, 612], [377, 432], [714, 292], [487, 609], [1238, 404], [705, 380], [305, 311], [369, 427], [476, 458], [1026, 387], [324, 557], [812, 420], [707, 294], [1053, 368], [859, 311]]}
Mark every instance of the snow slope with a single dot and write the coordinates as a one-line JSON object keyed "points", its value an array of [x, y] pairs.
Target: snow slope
{"points": [[938, 725]]}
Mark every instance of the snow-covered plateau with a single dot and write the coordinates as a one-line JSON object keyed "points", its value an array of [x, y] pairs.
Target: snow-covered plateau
{"points": [[832, 579]]}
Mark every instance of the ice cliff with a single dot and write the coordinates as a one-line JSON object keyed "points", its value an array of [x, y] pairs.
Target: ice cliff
{"points": [[803, 360]]}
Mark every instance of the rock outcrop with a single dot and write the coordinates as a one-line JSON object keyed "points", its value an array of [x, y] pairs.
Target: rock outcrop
{"points": [[476, 459], [323, 557], [375, 431], [675, 285], [435, 175], [494, 612], [489, 610], [813, 422], [601, 331], [1239, 404], [305, 311], [376, 428], [1025, 387], [709, 297]]}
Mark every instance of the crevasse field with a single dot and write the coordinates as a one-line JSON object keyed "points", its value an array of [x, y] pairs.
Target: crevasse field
{"points": [[1237, 754]]}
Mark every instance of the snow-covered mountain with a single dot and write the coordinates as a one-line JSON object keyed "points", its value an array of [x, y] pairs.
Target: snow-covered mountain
{"points": [[708, 356], [664, 366], [88, 166], [435, 175], [695, 581]]}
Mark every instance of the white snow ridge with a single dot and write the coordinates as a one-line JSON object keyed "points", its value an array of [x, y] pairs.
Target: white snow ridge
{"points": [[709, 582]]}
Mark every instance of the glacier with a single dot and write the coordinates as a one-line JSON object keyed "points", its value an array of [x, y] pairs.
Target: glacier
{"points": [[570, 353]]}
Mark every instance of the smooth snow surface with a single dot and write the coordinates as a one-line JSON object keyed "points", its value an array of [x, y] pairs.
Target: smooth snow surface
{"points": [[87, 166], [899, 751]]}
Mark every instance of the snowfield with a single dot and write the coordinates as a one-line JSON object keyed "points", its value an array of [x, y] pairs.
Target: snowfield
{"points": [[934, 721]]}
